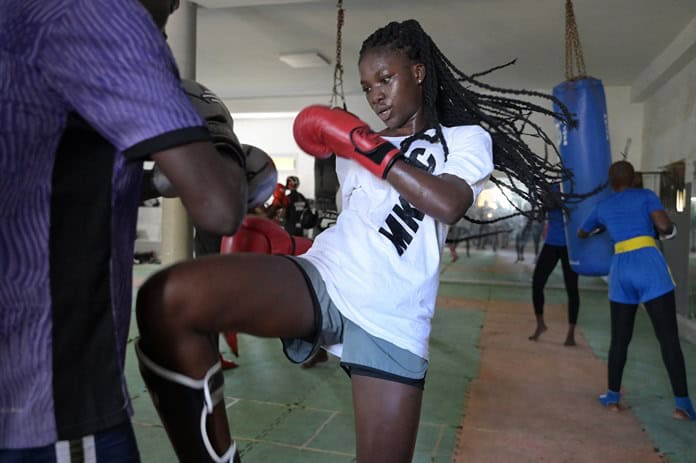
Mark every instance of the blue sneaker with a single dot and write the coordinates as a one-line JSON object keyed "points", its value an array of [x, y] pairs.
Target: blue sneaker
{"points": [[610, 399], [685, 408]]}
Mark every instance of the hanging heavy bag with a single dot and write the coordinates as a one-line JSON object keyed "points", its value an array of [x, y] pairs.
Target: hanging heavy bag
{"points": [[585, 151]]}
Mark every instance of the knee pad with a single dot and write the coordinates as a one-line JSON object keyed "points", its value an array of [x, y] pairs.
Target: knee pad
{"points": [[184, 405]]}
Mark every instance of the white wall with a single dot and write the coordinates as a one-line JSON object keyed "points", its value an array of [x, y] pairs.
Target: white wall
{"points": [[273, 133], [670, 122], [667, 87], [625, 121], [274, 136]]}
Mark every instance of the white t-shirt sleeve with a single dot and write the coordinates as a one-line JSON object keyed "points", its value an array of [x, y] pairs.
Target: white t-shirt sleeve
{"points": [[470, 155]]}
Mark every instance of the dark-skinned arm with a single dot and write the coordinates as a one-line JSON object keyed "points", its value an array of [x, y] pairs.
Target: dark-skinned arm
{"points": [[591, 223], [582, 234], [212, 188], [446, 198], [663, 224], [320, 131]]}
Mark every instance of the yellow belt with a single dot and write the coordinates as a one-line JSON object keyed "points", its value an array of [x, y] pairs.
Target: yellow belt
{"points": [[634, 243]]}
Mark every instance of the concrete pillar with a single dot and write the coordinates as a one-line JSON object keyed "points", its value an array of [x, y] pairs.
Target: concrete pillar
{"points": [[177, 230]]}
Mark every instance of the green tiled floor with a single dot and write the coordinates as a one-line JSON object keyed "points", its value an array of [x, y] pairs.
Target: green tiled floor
{"points": [[280, 412], [645, 382]]}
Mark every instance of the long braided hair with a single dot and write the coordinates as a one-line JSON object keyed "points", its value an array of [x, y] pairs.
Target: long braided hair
{"points": [[449, 100]]}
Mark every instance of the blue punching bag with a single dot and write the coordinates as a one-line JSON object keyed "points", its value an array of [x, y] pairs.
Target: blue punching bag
{"points": [[585, 152]]}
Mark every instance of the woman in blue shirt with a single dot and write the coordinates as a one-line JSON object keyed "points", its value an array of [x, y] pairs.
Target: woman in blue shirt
{"points": [[638, 274]]}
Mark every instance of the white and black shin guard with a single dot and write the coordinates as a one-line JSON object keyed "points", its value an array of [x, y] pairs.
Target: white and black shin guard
{"points": [[184, 404]]}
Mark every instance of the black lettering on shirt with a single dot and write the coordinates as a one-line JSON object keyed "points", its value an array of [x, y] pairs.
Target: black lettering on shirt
{"points": [[393, 229], [415, 157], [397, 234], [409, 214]]}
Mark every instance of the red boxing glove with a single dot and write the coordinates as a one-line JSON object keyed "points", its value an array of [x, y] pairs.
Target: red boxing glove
{"points": [[279, 198], [320, 131]]}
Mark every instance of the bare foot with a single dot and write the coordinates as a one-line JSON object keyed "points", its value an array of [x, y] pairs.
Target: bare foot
{"points": [[570, 340], [616, 408], [681, 415], [539, 329]]}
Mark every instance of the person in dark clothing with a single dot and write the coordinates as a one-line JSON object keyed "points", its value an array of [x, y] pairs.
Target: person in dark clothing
{"points": [[295, 207], [90, 90], [553, 250]]}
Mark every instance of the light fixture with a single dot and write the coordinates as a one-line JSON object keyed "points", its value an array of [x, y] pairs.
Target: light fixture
{"points": [[284, 163], [681, 199], [309, 59]]}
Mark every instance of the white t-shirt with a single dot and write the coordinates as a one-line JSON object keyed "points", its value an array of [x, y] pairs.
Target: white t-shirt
{"points": [[381, 260]]}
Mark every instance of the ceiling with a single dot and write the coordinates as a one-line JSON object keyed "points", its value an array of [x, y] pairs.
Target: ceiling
{"points": [[239, 41]]}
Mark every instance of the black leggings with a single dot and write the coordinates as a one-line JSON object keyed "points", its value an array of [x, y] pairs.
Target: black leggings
{"points": [[663, 315], [546, 262]]}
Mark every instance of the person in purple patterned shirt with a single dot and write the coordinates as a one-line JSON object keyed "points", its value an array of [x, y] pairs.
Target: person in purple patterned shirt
{"points": [[89, 89]]}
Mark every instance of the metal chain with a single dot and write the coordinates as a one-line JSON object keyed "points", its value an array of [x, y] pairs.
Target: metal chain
{"points": [[337, 96], [573, 49]]}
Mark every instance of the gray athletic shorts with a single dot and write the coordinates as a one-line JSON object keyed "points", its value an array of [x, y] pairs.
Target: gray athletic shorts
{"points": [[363, 354]]}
